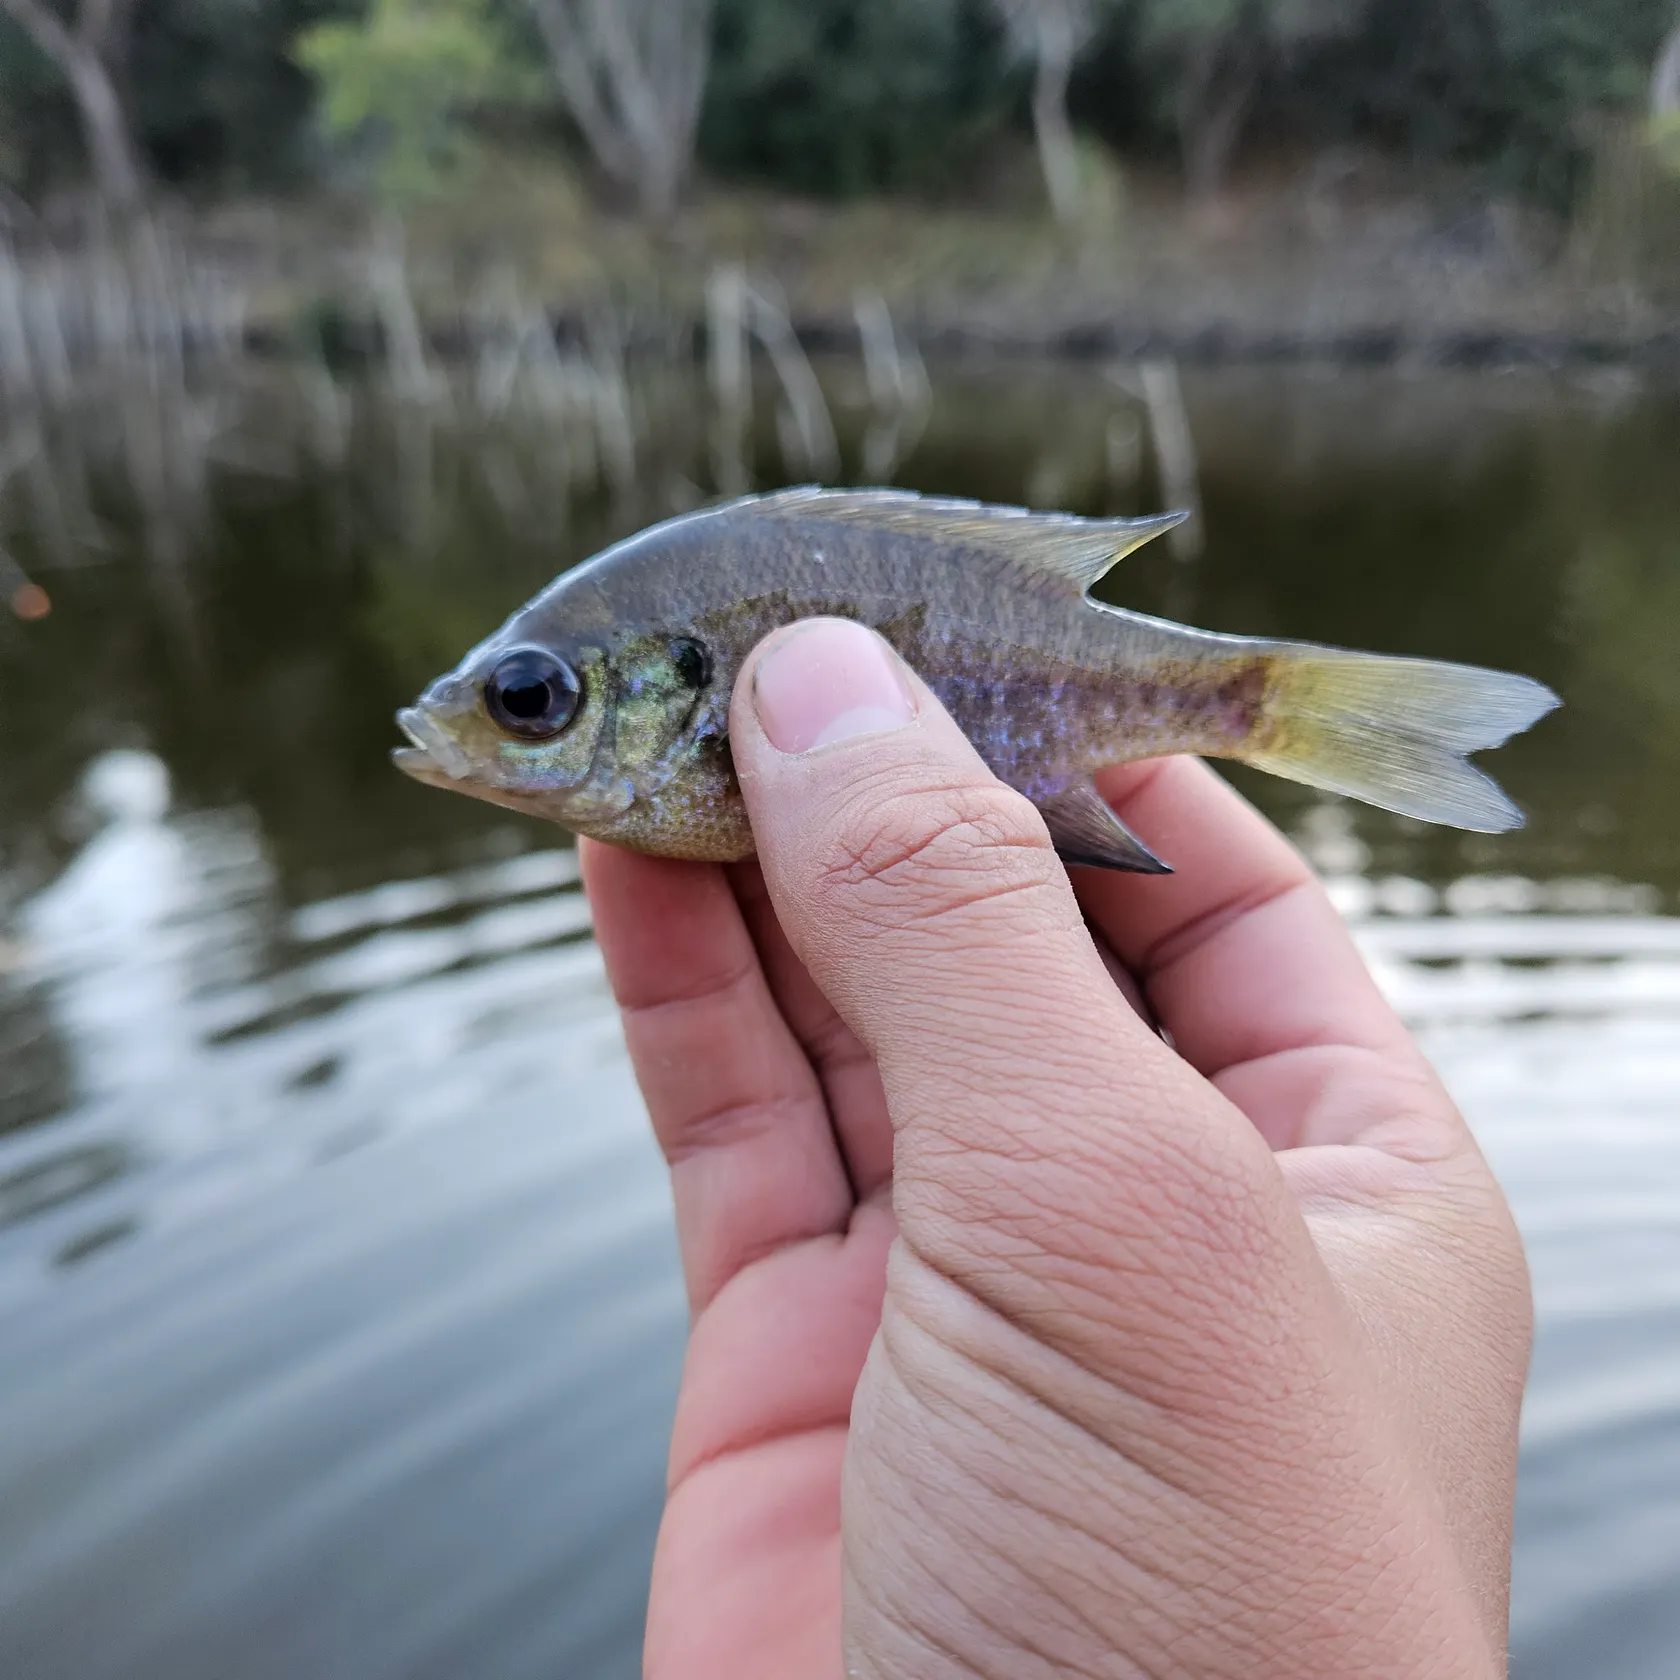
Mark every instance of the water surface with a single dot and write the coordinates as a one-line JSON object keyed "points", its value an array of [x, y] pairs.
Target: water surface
{"points": [[339, 1318]]}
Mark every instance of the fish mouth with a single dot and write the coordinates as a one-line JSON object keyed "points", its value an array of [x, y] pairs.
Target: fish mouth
{"points": [[430, 755]]}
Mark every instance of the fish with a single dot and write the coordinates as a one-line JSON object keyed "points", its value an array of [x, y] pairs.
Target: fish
{"points": [[603, 703]]}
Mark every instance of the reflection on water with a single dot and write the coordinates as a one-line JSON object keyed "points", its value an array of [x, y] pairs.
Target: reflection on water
{"points": [[1561, 1040], [340, 1309], [339, 1320]]}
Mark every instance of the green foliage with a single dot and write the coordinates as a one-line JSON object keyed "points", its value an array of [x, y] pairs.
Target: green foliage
{"points": [[1171, 19], [403, 78], [213, 93], [842, 96], [848, 96], [1282, 20], [1562, 60], [1664, 135], [1504, 83]]}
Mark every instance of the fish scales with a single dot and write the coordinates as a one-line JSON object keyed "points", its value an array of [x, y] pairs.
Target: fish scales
{"points": [[1035, 676], [603, 703]]}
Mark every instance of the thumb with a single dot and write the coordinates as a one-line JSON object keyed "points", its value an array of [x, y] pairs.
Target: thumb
{"points": [[1038, 1123], [924, 893]]}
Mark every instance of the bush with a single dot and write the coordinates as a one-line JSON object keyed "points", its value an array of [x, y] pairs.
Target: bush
{"points": [[851, 96], [1502, 84], [401, 79]]}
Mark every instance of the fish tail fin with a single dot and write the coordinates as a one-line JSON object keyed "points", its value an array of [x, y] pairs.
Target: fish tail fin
{"points": [[1394, 732]]}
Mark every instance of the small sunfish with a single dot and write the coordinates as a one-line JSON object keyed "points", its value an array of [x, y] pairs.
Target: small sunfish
{"points": [[603, 703]]}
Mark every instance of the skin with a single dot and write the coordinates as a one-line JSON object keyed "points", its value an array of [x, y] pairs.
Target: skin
{"points": [[1025, 1343]]}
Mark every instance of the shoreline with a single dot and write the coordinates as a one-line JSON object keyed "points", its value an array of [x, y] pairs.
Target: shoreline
{"points": [[1214, 342], [1282, 271]]}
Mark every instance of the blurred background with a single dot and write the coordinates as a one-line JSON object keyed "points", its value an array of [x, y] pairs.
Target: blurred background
{"points": [[339, 1317]]}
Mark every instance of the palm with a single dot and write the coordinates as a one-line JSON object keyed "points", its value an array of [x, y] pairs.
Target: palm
{"points": [[773, 1120]]}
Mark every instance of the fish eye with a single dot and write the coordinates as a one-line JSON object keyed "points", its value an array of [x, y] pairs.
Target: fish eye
{"points": [[532, 693], [691, 661]]}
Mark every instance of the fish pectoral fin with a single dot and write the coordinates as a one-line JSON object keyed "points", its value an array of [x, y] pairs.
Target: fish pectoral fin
{"points": [[1085, 830]]}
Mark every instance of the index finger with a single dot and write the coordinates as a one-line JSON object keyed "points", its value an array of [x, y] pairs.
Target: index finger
{"points": [[734, 1102], [1243, 957]]}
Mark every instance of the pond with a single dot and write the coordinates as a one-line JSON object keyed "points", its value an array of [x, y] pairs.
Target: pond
{"points": [[339, 1314]]}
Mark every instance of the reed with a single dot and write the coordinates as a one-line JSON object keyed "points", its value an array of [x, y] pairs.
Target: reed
{"points": [[900, 396], [1153, 387], [126, 391]]}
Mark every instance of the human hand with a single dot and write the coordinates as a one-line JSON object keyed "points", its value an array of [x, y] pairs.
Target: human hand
{"points": [[1026, 1343]]}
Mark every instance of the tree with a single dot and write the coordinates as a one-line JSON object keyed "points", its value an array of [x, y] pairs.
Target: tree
{"points": [[405, 73], [632, 73], [1665, 78], [1051, 33], [1665, 99], [1223, 47], [82, 54], [215, 95], [853, 96]]}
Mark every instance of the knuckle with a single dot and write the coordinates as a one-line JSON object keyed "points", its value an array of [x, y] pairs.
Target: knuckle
{"points": [[930, 852]]}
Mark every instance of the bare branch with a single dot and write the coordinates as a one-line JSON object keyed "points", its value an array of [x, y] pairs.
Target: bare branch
{"points": [[1032, 22], [568, 46], [80, 59], [632, 73], [1665, 78], [1052, 33], [101, 22]]}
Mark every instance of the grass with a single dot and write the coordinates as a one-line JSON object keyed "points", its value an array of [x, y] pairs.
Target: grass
{"points": [[1311, 247]]}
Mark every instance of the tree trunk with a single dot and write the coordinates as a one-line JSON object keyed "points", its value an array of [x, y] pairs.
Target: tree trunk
{"points": [[1057, 154], [632, 73], [658, 185], [112, 159], [1665, 78], [1217, 93], [116, 168]]}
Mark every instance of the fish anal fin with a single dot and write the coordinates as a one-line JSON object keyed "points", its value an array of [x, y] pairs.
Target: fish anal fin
{"points": [[1085, 830], [1058, 547]]}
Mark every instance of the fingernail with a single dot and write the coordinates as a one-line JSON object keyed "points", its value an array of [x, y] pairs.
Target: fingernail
{"points": [[829, 680]]}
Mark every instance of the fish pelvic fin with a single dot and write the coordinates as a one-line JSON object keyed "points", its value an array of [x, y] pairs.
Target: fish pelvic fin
{"points": [[1085, 830], [1058, 547], [1395, 733]]}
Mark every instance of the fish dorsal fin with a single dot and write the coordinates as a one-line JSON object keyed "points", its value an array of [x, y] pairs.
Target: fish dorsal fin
{"points": [[1085, 830], [1058, 547]]}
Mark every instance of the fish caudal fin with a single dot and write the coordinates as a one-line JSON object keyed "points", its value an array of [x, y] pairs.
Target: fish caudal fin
{"points": [[1395, 732]]}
